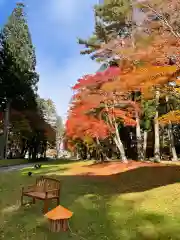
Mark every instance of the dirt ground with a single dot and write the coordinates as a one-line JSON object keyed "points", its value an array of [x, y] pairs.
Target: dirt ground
{"points": [[105, 169]]}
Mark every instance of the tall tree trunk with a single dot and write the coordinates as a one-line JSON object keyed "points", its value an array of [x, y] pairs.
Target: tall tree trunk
{"points": [[139, 139], [101, 153], [6, 128], [171, 136], [138, 128], [112, 122], [172, 145], [119, 144], [145, 144], [77, 155], [156, 130], [57, 146]]}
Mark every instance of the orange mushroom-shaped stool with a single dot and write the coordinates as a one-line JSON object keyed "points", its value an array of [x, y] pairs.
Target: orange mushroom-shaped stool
{"points": [[58, 218]]}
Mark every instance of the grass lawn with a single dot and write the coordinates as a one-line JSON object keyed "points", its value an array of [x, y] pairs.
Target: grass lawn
{"points": [[10, 162], [135, 202], [13, 162]]}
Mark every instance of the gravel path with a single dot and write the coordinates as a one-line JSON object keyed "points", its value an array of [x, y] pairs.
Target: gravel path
{"points": [[16, 167]]}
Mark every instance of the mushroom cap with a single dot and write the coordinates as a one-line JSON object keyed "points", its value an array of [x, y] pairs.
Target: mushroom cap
{"points": [[59, 213]]}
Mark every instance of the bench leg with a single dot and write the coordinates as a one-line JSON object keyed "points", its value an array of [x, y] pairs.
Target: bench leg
{"points": [[22, 199], [45, 206], [57, 201], [33, 200]]}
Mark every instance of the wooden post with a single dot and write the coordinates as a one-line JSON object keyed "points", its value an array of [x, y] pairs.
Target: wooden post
{"points": [[58, 225], [65, 225], [58, 219]]}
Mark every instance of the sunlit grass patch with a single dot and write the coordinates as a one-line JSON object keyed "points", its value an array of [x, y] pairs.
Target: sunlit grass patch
{"points": [[141, 203]]}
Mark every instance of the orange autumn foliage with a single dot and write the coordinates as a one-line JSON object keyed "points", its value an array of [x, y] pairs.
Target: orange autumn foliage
{"points": [[157, 52], [90, 98], [170, 117], [82, 125], [108, 93], [143, 78], [98, 78]]}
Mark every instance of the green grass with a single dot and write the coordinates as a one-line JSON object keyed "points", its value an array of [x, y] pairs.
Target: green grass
{"points": [[13, 162], [143, 203], [10, 162]]}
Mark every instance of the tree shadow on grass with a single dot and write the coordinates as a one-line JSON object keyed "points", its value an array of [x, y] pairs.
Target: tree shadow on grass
{"points": [[94, 218], [134, 180], [99, 213], [124, 221]]}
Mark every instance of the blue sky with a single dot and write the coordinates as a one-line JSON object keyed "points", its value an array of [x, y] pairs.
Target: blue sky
{"points": [[55, 26]]}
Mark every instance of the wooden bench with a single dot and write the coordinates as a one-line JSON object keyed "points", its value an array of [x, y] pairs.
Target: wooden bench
{"points": [[45, 189]]}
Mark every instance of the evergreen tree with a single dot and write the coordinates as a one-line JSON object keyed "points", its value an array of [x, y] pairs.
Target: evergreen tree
{"points": [[18, 78], [113, 18], [17, 58]]}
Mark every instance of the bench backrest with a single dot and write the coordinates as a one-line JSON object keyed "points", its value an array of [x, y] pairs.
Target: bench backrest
{"points": [[44, 184]]}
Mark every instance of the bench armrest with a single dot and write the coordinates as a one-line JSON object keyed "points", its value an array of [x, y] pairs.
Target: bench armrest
{"points": [[30, 188], [53, 191]]}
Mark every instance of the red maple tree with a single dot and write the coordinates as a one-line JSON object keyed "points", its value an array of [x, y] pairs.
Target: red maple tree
{"points": [[95, 112]]}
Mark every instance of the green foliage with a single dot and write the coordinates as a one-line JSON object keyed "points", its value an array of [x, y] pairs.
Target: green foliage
{"points": [[114, 11], [113, 18], [17, 58], [20, 124], [59, 127], [101, 32], [32, 125], [149, 110], [91, 45], [48, 110]]}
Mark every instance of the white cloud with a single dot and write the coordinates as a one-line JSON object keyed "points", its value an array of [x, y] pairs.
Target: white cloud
{"points": [[65, 12], [55, 24], [60, 79]]}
